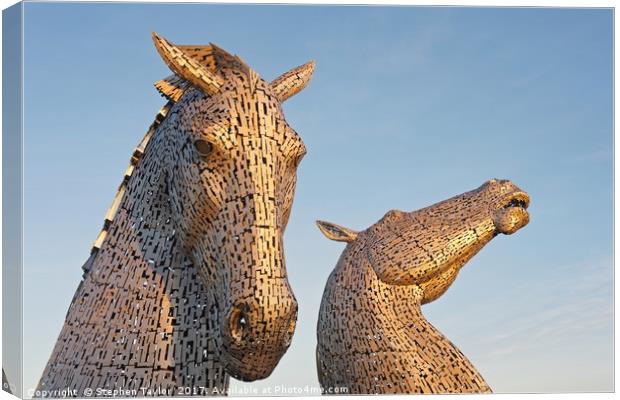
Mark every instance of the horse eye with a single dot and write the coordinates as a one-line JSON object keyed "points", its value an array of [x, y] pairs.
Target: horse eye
{"points": [[203, 147]]}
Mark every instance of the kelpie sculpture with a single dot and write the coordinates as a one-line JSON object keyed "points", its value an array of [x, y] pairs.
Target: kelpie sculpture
{"points": [[372, 336], [186, 284]]}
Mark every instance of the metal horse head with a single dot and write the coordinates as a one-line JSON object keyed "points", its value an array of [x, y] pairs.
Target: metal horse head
{"points": [[230, 169], [428, 247]]}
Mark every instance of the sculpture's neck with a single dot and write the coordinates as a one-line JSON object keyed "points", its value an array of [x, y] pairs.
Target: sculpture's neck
{"points": [[424, 340], [143, 231], [409, 298], [141, 314], [158, 297]]}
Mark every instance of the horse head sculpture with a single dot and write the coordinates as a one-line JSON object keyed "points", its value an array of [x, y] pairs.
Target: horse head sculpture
{"points": [[372, 335], [231, 161], [186, 284]]}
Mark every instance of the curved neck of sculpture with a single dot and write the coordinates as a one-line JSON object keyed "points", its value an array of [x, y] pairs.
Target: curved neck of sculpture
{"points": [[141, 315], [424, 342]]}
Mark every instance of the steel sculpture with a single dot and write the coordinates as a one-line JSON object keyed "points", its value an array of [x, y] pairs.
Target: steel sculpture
{"points": [[186, 284], [372, 335]]}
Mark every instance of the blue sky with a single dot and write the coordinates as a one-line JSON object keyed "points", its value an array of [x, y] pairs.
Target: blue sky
{"points": [[408, 106]]}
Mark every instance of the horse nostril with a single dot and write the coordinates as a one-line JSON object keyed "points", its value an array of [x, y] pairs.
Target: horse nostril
{"points": [[239, 325]]}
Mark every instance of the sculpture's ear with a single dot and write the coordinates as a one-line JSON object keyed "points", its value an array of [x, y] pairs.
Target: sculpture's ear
{"points": [[336, 232], [292, 82], [187, 67]]}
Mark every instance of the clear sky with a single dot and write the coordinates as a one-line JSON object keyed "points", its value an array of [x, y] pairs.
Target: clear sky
{"points": [[408, 106]]}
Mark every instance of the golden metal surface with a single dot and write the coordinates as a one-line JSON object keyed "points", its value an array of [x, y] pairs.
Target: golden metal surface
{"points": [[372, 335], [186, 283]]}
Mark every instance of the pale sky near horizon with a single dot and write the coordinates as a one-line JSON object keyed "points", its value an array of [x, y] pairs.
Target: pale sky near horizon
{"points": [[408, 106]]}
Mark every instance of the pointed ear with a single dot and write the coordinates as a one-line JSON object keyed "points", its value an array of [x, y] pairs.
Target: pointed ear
{"points": [[292, 82], [336, 232], [186, 67]]}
